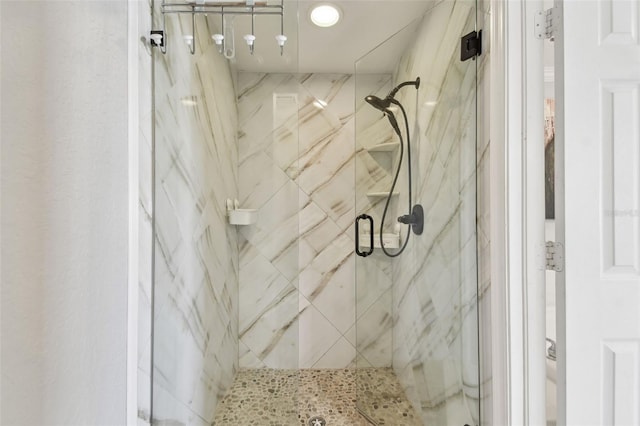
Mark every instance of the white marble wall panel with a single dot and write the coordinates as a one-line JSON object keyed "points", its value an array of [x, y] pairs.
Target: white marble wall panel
{"points": [[297, 168], [196, 265], [435, 328]]}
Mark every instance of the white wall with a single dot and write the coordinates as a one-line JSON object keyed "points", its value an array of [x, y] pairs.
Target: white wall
{"points": [[64, 212]]}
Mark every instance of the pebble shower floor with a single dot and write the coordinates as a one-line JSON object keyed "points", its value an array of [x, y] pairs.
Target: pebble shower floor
{"points": [[270, 397]]}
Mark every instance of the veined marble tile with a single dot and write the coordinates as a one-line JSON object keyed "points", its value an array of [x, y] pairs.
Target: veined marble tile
{"points": [[331, 186], [315, 125], [169, 410], [259, 179], [275, 234], [260, 284], [215, 379], [340, 355], [316, 228], [371, 281], [336, 300], [268, 102], [374, 332], [336, 90], [247, 358], [196, 276], [273, 336], [317, 335], [316, 276]]}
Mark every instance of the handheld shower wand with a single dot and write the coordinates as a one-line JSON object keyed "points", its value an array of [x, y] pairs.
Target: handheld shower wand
{"points": [[384, 104], [415, 217]]}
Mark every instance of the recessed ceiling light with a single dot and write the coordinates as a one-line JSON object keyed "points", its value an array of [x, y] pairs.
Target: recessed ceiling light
{"points": [[325, 15]]}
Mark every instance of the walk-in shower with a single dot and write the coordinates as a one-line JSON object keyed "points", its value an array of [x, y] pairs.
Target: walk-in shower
{"points": [[276, 320]]}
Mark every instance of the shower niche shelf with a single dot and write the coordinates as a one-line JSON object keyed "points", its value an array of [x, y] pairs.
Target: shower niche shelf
{"points": [[243, 216], [238, 216], [381, 194], [384, 147], [390, 240]]}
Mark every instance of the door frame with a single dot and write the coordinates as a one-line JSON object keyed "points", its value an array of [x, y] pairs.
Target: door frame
{"points": [[516, 79]]}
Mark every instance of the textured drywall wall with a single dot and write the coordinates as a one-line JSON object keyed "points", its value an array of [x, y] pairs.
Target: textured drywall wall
{"points": [[64, 212]]}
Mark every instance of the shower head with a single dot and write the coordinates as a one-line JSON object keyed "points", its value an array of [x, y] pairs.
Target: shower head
{"points": [[377, 103], [383, 105]]}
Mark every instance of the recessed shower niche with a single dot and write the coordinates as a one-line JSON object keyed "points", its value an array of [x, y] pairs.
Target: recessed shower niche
{"points": [[280, 320]]}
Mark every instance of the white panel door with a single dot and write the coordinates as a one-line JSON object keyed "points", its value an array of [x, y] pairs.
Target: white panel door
{"points": [[598, 142]]}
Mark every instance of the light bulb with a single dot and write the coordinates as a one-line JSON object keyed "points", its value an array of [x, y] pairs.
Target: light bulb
{"points": [[218, 39], [250, 39], [281, 38], [157, 39]]}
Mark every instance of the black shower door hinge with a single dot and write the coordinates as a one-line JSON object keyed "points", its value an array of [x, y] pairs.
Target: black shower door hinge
{"points": [[471, 45]]}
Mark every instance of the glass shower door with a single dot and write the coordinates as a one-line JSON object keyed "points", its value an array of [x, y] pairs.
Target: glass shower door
{"points": [[225, 298], [417, 327]]}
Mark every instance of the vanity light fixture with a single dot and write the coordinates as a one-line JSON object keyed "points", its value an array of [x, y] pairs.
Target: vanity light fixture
{"points": [[325, 15]]}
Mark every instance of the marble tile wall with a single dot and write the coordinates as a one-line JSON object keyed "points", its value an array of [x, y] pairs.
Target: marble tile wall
{"points": [[296, 166], [435, 285], [196, 267]]}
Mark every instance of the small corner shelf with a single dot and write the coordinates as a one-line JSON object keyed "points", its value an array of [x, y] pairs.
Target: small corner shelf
{"points": [[384, 147], [391, 240], [238, 216], [381, 194]]}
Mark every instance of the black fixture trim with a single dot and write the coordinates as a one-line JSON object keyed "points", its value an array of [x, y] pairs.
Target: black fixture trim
{"points": [[471, 45], [415, 219], [358, 219]]}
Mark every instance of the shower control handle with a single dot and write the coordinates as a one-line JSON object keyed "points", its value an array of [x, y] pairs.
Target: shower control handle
{"points": [[358, 219], [415, 219]]}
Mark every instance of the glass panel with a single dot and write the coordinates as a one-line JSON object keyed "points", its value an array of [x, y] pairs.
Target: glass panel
{"points": [[225, 299], [417, 328]]}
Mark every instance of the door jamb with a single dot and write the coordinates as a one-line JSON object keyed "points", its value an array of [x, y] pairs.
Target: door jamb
{"points": [[517, 232]]}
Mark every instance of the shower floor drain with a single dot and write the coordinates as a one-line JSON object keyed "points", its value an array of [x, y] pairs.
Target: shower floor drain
{"points": [[317, 421]]}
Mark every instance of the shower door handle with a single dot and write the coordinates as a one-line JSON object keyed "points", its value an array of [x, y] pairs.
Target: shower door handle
{"points": [[358, 219]]}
